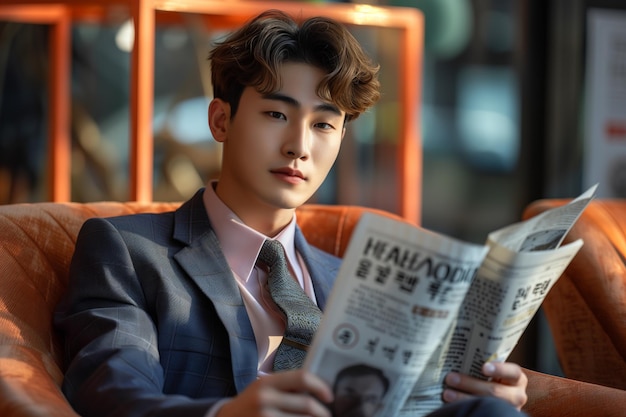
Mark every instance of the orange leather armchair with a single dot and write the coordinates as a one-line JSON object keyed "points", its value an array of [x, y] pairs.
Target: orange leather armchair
{"points": [[36, 244], [586, 308]]}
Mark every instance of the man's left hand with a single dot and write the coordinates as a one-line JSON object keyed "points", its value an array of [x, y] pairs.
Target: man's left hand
{"points": [[506, 381]]}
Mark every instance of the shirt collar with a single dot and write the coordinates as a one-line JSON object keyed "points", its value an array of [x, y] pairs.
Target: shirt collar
{"points": [[240, 243]]}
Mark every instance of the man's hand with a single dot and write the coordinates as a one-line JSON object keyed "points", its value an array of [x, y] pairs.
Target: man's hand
{"points": [[292, 393], [506, 381]]}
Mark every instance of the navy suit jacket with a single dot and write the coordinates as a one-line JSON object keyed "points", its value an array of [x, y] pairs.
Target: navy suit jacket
{"points": [[153, 320]]}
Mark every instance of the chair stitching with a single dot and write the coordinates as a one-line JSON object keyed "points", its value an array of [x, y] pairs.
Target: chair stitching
{"points": [[44, 254]]}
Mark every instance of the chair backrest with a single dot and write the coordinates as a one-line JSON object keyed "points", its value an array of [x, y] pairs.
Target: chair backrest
{"points": [[586, 308], [36, 245]]}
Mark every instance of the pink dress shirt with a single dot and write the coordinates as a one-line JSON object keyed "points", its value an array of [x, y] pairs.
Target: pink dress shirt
{"points": [[241, 246]]}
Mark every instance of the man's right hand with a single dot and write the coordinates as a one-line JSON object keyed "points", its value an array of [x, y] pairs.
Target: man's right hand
{"points": [[289, 393]]}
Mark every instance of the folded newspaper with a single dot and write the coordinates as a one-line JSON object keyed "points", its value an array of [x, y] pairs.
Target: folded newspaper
{"points": [[415, 305]]}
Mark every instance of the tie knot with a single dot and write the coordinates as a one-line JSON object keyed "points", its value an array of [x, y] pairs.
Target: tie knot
{"points": [[272, 253]]}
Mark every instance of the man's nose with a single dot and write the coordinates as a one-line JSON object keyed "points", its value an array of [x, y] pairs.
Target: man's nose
{"points": [[298, 144]]}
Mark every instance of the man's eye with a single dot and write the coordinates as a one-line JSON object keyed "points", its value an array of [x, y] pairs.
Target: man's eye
{"points": [[276, 115], [324, 125]]}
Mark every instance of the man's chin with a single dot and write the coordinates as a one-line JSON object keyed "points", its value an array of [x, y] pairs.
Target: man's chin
{"points": [[291, 202]]}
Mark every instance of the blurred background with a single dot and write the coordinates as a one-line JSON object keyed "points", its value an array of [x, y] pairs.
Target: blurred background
{"points": [[502, 111]]}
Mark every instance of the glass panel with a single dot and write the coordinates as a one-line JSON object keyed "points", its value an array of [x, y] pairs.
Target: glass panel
{"points": [[23, 126]]}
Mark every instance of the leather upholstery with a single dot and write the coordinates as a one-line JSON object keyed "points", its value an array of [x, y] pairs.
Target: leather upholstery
{"points": [[36, 244], [586, 308]]}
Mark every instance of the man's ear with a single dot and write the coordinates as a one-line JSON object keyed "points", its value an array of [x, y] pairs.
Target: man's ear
{"points": [[219, 118]]}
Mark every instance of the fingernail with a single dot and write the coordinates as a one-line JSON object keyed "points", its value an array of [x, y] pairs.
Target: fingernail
{"points": [[449, 395], [489, 368], [453, 379]]}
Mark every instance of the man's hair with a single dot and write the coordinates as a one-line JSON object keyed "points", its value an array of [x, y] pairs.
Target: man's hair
{"points": [[252, 56], [361, 370]]}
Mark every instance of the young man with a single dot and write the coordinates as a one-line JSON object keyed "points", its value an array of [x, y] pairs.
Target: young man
{"points": [[167, 314]]}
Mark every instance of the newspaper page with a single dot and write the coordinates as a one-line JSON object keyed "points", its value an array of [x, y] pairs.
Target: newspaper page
{"points": [[546, 230], [398, 291], [505, 295], [523, 263]]}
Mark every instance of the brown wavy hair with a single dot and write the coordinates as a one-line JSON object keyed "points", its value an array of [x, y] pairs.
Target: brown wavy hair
{"points": [[252, 56]]}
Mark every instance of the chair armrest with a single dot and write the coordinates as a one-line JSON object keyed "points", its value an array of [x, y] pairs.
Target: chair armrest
{"points": [[27, 388], [553, 396]]}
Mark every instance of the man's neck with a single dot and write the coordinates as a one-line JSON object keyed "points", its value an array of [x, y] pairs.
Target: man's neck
{"points": [[267, 220]]}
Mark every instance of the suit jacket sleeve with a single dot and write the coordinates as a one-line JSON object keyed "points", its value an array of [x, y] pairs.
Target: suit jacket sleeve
{"points": [[111, 336]]}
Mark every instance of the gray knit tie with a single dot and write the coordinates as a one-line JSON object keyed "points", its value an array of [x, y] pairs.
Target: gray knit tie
{"points": [[303, 316]]}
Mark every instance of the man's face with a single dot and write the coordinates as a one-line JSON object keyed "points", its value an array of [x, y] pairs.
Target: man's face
{"points": [[358, 396], [279, 147]]}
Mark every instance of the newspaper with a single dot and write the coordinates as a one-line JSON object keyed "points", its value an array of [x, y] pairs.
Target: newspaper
{"points": [[415, 305]]}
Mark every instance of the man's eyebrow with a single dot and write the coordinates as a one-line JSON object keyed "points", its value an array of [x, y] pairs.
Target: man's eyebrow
{"points": [[325, 107]]}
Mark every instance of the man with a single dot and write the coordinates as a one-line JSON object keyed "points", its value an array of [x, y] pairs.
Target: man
{"points": [[358, 391], [167, 314]]}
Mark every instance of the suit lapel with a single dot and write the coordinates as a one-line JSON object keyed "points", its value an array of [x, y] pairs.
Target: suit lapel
{"points": [[205, 263]]}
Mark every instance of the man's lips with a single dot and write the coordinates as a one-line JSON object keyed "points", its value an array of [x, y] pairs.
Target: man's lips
{"points": [[288, 172]]}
